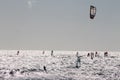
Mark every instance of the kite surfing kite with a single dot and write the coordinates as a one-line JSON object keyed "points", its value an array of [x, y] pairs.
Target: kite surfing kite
{"points": [[92, 11]]}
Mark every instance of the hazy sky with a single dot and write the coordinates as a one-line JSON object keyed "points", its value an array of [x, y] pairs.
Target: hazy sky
{"points": [[59, 25]]}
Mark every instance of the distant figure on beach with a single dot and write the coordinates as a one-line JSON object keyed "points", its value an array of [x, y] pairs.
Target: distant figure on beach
{"points": [[88, 55], [92, 55], [96, 54], [44, 67], [105, 54], [77, 54], [78, 62], [18, 52], [52, 53]]}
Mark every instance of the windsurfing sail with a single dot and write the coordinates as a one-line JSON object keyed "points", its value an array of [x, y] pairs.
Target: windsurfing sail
{"points": [[92, 11]]}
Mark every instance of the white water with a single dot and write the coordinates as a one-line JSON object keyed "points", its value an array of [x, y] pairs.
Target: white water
{"points": [[61, 66]]}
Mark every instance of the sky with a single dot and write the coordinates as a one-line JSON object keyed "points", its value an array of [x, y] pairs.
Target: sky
{"points": [[59, 25]]}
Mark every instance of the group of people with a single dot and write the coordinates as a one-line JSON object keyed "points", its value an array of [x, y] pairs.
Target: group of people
{"points": [[51, 53], [78, 61], [91, 55]]}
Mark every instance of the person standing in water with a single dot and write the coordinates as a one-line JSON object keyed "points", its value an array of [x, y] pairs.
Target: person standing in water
{"points": [[78, 62]]}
